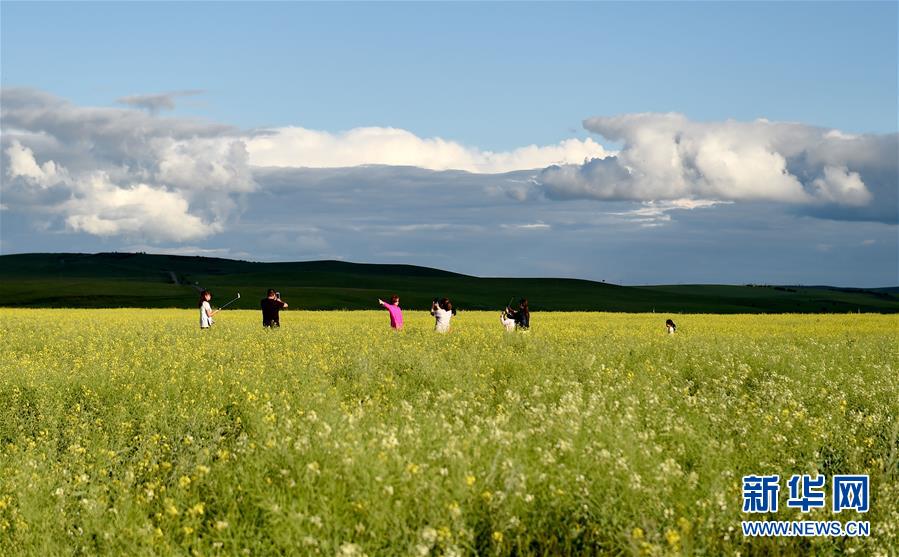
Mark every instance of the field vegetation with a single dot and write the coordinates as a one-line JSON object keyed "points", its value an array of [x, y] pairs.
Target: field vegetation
{"points": [[132, 432]]}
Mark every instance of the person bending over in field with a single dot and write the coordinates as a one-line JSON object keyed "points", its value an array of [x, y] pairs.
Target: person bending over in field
{"points": [[507, 320], [443, 311], [670, 327], [271, 305], [521, 317], [206, 312], [396, 314]]}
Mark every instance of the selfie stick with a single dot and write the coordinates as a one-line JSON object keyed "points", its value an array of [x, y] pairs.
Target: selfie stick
{"points": [[231, 302]]}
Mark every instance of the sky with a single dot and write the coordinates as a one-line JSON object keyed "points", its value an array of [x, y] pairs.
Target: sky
{"points": [[637, 143]]}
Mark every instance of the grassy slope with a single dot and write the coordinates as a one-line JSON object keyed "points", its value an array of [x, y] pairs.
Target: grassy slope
{"points": [[141, 280]]}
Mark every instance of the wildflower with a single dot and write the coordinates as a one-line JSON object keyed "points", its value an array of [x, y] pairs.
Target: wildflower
{"points": [[637, 533], [429, 534], [497, 536], [673, 537], [350, 550]]}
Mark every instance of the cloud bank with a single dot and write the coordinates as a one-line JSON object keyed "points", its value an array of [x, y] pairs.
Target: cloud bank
{"points": [[667, 157], [300, 147], [131, 174]]}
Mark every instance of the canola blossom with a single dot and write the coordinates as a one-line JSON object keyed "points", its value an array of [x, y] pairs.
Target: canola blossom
{"points": [[133, 432]]}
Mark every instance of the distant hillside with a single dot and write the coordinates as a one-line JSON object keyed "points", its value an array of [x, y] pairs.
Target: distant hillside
{"points": [[145, 280]]}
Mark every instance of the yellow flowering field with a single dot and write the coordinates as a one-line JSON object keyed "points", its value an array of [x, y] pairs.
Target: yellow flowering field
{"points": [[133, 432]]}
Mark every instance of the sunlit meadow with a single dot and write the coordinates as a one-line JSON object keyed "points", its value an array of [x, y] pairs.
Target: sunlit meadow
{"points": [[133, 432]]}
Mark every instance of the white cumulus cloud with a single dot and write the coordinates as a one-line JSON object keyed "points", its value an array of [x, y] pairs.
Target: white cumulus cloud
{"points": [[22, 164], [841, 186], [213, 164], [669, 157], [102, 208], [120, 172]]}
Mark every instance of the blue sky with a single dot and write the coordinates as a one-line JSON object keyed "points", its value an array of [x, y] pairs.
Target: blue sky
{"points": [[491, 78], [491, 75]]}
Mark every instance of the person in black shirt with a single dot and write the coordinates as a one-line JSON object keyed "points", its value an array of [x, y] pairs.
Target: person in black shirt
{"points": [[271, 305]]}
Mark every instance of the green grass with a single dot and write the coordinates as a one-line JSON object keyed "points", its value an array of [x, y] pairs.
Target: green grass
{"points": [[140, 280], [132, 432]]}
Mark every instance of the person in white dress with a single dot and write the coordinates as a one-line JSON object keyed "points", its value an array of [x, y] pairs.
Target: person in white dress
{"points": [[206, 311], [443, 311], [507, 320]]}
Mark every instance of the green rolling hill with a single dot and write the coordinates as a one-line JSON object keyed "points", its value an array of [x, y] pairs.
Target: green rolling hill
{"points": [[145, 280]]}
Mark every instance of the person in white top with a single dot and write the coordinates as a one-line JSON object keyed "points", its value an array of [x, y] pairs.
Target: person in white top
{"points": [[206, 312], [670, 326], [507, 320], [443, 311]]}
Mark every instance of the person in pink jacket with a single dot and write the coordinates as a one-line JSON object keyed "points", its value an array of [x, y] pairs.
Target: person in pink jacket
{"points": [[396, 314]]}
